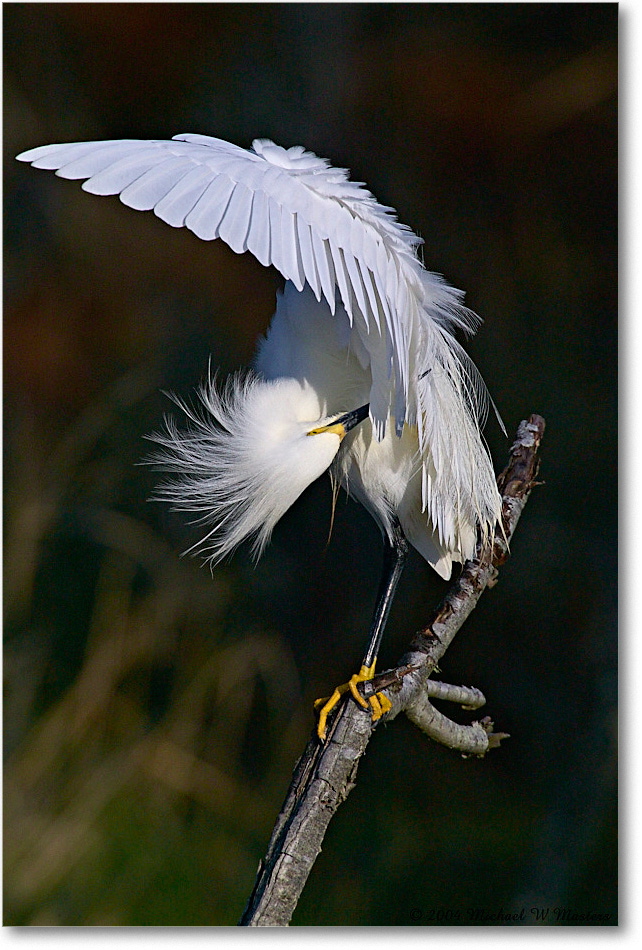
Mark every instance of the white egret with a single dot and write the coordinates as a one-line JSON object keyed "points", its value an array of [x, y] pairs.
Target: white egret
{"points": [[360, 371]]}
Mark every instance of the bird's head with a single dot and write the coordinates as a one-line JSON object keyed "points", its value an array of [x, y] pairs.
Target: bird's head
{"points": [[248, 453]]}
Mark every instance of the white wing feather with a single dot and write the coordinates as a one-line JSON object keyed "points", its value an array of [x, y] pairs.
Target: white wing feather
{"points": [[288, 207], [293, 210]]}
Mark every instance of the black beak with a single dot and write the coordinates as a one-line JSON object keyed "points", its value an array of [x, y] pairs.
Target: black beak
{"points": [[351, 419], [344, 423]]}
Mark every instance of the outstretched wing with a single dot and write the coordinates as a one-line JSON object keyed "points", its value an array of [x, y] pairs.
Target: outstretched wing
{"points": [[293, 210]]}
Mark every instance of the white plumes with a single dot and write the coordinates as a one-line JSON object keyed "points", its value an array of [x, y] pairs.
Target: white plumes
{"points": [[244, 459], [436, 477], [360, 321]]}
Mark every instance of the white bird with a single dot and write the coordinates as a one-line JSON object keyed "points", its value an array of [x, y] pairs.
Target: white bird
{"points": [[360, 371]]}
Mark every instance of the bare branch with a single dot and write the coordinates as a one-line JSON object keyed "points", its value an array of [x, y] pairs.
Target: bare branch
{"points": [[474, 739], [407, 685], [325, 774], [468, 697]]}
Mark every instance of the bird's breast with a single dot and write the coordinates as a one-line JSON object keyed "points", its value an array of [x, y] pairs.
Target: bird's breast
{"points": [[381, 474]]}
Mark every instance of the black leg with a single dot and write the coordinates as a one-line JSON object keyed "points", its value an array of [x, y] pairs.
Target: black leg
{"points": [[394, 559]]}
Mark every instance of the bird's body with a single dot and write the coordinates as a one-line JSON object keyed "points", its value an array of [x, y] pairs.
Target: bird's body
{"points": [[305, 343], [359, 371]]}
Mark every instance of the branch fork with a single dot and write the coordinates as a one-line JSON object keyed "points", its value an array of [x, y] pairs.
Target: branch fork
{"points": [[326, 772], [474, 739]]}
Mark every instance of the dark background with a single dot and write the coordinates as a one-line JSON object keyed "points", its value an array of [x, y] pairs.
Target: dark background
{"points": [[153, 713]]}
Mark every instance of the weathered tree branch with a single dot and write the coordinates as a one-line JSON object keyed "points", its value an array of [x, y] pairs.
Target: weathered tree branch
{"points": [[326, 772], [468, 697]]}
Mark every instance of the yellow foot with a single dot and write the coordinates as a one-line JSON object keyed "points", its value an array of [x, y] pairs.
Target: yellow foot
{"points": [[379, 703]]}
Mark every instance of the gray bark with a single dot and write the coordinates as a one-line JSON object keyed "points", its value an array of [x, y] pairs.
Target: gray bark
{"points": [[326, 772]]}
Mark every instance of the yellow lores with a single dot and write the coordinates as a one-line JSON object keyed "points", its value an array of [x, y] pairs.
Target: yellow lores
{"points": [[337, 428]]}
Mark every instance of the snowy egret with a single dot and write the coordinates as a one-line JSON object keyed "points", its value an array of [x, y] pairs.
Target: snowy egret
{"points": [[359, 372]]}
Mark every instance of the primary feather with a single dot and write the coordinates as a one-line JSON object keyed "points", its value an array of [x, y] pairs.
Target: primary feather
{"points": [[355, 281]]}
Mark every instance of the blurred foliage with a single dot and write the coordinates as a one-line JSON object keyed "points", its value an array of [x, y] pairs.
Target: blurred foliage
{"points": [[153, 712]]}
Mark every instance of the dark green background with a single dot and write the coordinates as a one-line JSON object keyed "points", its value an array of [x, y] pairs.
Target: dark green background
{"points": [[153, 713]]}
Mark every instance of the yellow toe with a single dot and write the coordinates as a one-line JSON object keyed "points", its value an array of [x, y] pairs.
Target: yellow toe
{"points": [[360, 677], [379, 704]]}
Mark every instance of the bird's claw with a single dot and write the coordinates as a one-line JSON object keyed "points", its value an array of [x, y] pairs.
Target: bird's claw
{"points": [[379, 703]]}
